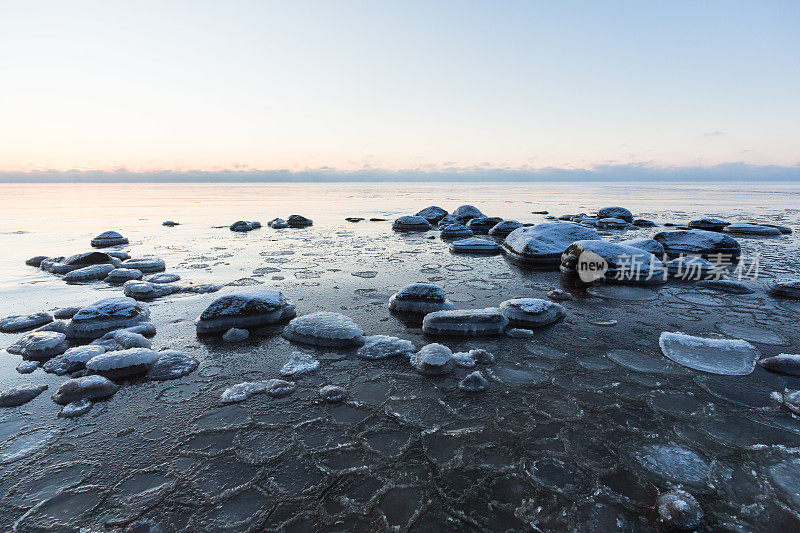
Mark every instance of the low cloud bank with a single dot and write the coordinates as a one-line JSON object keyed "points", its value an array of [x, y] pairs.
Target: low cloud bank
{"points": [[633, 173]]}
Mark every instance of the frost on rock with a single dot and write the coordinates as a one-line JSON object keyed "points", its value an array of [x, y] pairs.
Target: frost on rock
{"points": [[324, 328], [541, 246], [299, 221], [464, 359], [42, 345], [121, 275], [144, 290], [419, 298], [533, 312], [383, 346], [467, 212], [172, 364], [122, 363], [679, 511], [65, 312], [744, 228], [163, 278], [97, 319], [447, 221], [20, 395], [691, 268], [433, 360], [620, 263], [648, 245], [235, 335], [411, 223], [698, 242], [278, 223], [14, 323], [481, 225], [432, 214], [333, 393], [89, 273], [475, 245], [615, 212], [146, 265], [708, 224], [108, 238], [62, 265], [504, 227], [612, 223], [784, 363], [72, 360], [276, 388], [481, 356], [455, 231], [474, 382], [785, 288], [676, 464], [299, 364], [126, 339], [730, 357], [465, 322], [26, 367], [87, 387], [245, 225], [246, 309], [76, 408]]}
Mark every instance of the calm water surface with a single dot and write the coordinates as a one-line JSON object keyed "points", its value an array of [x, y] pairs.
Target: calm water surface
{"points": [[582, 427]]}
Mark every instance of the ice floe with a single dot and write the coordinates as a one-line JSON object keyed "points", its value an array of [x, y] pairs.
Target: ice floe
{"points": [[731, 357]]}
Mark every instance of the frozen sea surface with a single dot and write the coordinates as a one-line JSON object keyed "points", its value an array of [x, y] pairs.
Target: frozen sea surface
{"points": [[581, 426]]}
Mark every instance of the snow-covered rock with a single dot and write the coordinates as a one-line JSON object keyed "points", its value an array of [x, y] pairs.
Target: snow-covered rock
{"points": [[433, 360], [324, 328], [594, 260], [648, 245], [72, 360], [744, 228], [474, 245], [89, 273], [691, 268], [246, 309], [698, 242], [467, 212], [122, 363], [172, 364], [278, 223], [97, 319], [108, 238], [504, 227], [86, 387], [146, 265], [14, 323], [465, 322], [333, 393], [244, 225], [62, 265], [612, 223], [615, 212], [531, 312], [784, 287], [784, 363], [383, 346], [455, 231], [121, 275], [276, 388], [419, 298], [541, 246], [481, 225], [42, 345], [679, 511], [163, 278], [235, 335], [411, 223], [144, 290], [708, 224], [299, 221], [474, 382], [20, 394], [432, 214]]}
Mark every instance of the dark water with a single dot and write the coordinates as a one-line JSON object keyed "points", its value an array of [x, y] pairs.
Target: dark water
{"points": [[582, 427]]}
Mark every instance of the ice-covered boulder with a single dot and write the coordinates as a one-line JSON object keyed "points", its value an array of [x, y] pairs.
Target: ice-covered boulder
{"points": [[474, 245], [119, 276], [245, 309], [146, 265], [730, 357], [455, 231], [84, 388], [541, 246], [20, 394], [278, 223], [594, 260], [744, 228], [612, 223], [89, 273], [531, 312], [708, 224], [615, 212], [481, 225], [419, 298], [62, 265], [172, 364], [504, 227], [66, 312], [784, 287], [433, 360], [698, 242], [465, 322], [432, 214], [144, 290], [163, 278], [467, 212], [14, 323], [299, 221], [648, 245], [411, 223], [324, 328], [42, 345], [383, 346], [97, 319], [447, 221], [108, 238], [73, 359], [244, 225], [122, 363]]}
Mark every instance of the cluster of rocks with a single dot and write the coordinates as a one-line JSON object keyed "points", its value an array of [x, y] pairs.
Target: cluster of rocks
{"points": [[118, 333], [294, 221]]}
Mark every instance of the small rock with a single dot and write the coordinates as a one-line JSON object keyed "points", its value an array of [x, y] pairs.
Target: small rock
{"points": [[21, 394], [333, 393], [235, 335], [679, 510], [474, 382]]}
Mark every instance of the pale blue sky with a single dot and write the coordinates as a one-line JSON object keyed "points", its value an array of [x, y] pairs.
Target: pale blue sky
{"points": [[398, 85]]}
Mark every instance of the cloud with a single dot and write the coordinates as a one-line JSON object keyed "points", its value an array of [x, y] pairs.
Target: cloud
{"points": [[633, 172]]}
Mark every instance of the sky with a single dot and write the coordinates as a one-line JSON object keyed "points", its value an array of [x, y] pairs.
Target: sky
{"points": [[429, 86]]}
